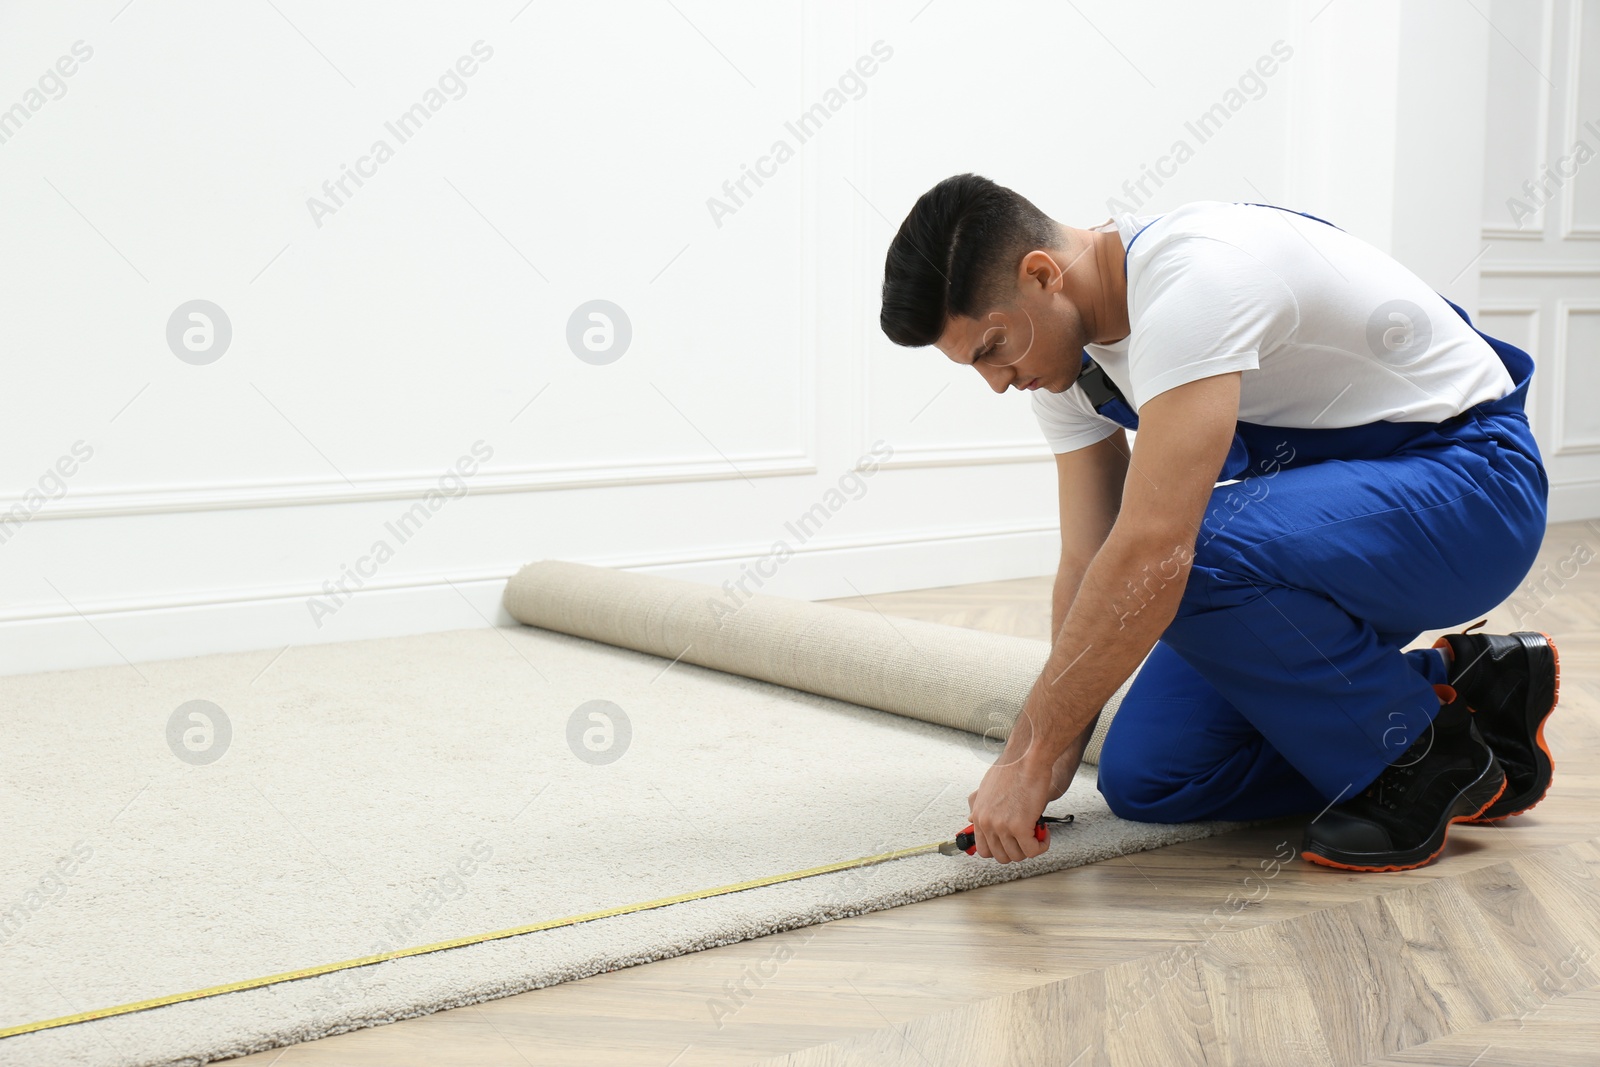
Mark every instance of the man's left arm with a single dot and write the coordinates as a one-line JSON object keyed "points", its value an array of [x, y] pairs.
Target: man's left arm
{"points": [[1128, 595]]}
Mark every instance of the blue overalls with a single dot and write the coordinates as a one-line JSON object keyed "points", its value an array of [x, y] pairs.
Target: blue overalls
{"points": [[1280, 686]]}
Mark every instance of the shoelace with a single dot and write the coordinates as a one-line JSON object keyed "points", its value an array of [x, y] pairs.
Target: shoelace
{"points": [[1390, 787]]}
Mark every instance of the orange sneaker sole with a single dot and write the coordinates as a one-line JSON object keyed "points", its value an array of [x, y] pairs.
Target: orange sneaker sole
{"points": [[1326, 862]]}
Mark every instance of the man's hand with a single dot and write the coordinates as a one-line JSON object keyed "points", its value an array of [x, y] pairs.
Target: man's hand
{"points": [[1006, 806]]}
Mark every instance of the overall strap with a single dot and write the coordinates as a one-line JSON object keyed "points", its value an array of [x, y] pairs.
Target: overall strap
{"points": [[1102, 392]]}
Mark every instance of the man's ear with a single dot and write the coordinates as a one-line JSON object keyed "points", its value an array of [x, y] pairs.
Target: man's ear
{"points": [[1043, 269]]}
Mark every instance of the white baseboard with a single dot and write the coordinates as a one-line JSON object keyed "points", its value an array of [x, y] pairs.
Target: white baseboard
{"points": [[1570, 501], [131, 633]]}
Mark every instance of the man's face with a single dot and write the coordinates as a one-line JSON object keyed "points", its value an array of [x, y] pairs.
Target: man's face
{"points": [[1036, 342]]}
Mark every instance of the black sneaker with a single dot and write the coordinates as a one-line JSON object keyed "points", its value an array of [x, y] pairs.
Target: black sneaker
{"points": [[1512, 682], [1399, 822]]}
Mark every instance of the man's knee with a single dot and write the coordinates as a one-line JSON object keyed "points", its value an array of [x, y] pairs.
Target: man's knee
{"points": [[1133, 791]]}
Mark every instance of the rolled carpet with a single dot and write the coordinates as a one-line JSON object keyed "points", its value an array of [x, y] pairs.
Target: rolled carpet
{"points": [[967, 679]]}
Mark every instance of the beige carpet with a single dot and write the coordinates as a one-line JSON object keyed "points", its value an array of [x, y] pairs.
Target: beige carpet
{"points": [[376, 794]]}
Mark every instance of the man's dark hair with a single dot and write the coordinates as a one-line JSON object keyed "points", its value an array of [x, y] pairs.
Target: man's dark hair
{"points": [[956, 255]]}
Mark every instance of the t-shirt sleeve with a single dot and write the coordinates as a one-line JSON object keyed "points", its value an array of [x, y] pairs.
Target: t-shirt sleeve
{"points": [[1203, 307], [1069, 421]]}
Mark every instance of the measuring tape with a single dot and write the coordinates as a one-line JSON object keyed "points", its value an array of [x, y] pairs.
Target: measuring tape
{"points": [[460, 942]]}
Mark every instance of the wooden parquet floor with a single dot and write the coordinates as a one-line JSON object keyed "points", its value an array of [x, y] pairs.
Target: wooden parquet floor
{"points": [[1215, 951]]}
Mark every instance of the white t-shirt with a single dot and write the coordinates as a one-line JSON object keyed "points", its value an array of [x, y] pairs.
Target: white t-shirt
{"points": [[1328, 330]]}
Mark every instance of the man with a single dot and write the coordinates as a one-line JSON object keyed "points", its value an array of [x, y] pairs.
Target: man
{"points": [[1382, 481]]}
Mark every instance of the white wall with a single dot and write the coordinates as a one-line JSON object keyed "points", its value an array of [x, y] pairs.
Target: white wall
{"points": [[1388, 133], [427, 314]]}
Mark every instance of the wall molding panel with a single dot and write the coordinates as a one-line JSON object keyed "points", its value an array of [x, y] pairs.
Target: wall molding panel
{"points": [[103, 503], [1564, 444], [1536, 229]]}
